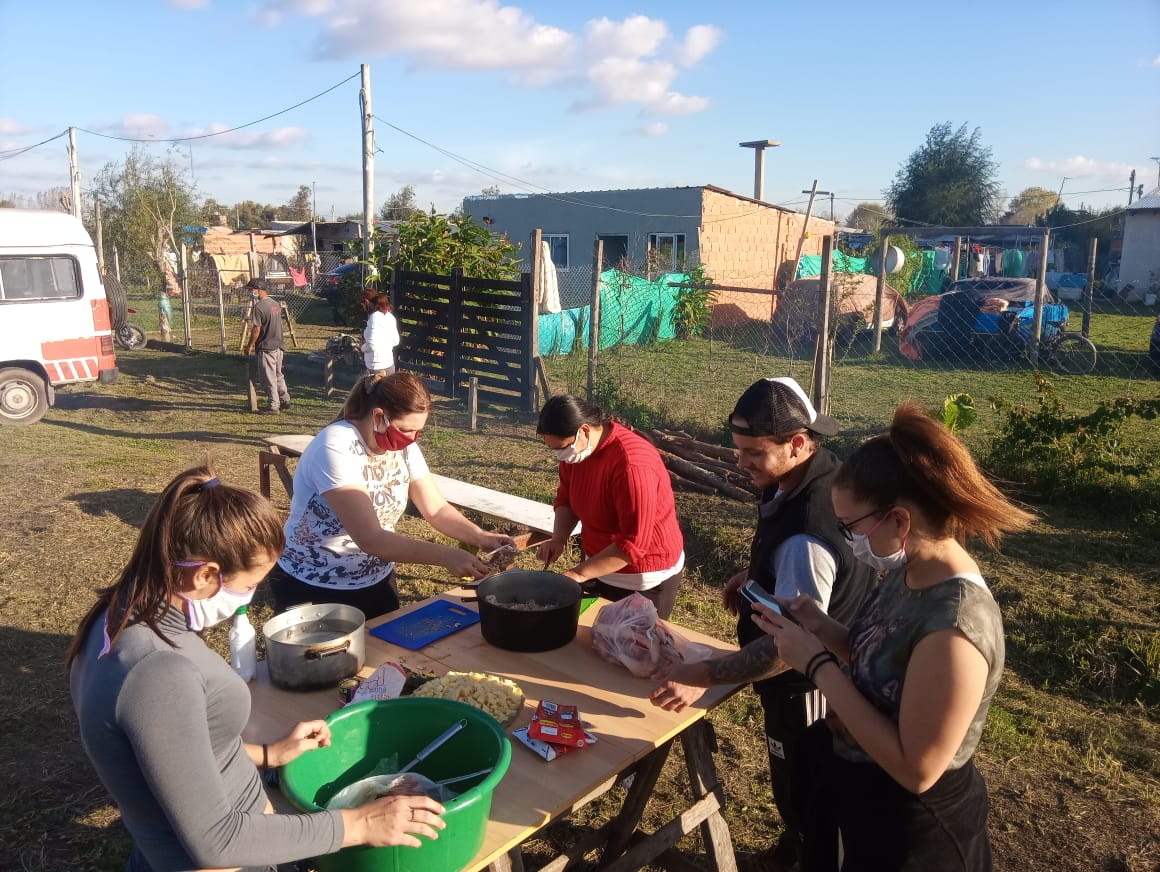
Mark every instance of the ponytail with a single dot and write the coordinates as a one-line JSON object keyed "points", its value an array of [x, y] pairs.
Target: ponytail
{"points": [[921, 462], [195, 516]]}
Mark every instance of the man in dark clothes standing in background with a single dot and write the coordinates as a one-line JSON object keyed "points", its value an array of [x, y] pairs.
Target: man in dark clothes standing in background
{"points": [[266, 342]]}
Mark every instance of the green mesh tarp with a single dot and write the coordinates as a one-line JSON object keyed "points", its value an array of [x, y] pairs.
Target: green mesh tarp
{"points": [[811, 265], [633, 311]]}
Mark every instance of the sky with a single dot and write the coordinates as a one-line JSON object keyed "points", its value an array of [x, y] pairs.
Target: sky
{"points": [[552, 95]]}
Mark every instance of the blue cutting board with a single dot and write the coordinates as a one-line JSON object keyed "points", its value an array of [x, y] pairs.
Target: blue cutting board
{"points": [[431, 623]]}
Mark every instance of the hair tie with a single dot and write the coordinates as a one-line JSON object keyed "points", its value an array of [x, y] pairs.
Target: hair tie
{"points": [[209, 485]]}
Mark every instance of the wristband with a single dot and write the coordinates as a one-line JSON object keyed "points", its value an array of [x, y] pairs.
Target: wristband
{"points": [[817, 662]]}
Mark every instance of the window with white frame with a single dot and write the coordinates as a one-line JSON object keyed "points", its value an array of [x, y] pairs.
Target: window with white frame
{"points": [[558, 246], [666, 251]]}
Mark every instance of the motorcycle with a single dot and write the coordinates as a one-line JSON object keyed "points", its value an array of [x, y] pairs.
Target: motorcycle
{"points": [[129, 336]]}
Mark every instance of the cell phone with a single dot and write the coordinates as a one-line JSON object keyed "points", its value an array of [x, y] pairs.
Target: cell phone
{"points": [[757, 595]]}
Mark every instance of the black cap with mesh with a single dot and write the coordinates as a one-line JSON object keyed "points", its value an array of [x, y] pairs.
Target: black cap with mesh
{"points": [[256, 284], [776, 407]]}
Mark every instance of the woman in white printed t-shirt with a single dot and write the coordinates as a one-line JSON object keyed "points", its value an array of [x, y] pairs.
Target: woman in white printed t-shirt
{"points": [[351, 486]]}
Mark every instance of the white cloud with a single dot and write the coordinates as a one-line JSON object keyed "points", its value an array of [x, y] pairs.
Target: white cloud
{"points": [[12, 127], [188, 4], [1080, 167], [137, 125], [699, 41], [634, 62], [636, 36], [653, 128], [445, 34], [272, 13], [1156, 61], [279, 137]]}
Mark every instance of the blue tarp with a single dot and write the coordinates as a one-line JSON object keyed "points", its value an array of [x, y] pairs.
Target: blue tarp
{"points": [[633, 311]]}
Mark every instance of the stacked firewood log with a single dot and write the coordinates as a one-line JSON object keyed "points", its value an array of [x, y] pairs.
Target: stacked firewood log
{"points": [[701, 466]]}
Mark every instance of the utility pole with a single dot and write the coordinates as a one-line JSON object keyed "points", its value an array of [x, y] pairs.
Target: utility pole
{"points": [[829, 194], [759, 146], [1157, 159], [100, 236], [831, 205], [74, 172], [1131, 186], [368, 161], [805, 225], [314, 222]]}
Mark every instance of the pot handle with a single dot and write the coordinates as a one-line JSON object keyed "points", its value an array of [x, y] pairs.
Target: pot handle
{"points": [[317, 652]]}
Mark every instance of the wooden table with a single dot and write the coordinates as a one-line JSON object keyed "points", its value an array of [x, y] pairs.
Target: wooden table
{"points": [[633, 734], [536, 516]]}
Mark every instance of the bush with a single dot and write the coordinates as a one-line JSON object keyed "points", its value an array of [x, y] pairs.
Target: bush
{"points": [[1062, 454]]}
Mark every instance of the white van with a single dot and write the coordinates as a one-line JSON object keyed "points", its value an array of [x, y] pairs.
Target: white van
{"points": [[55, 323]]}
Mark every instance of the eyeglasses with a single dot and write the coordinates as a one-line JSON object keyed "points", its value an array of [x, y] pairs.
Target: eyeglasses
{"points": [[847, 529]]}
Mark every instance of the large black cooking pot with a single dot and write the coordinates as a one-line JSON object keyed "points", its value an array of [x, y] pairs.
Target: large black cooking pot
{"points": [[517, 629]]}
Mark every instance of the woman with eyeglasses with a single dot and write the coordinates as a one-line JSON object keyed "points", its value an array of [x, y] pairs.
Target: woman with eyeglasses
{"points": [[351, 486], [613, 481], [909, 682]]}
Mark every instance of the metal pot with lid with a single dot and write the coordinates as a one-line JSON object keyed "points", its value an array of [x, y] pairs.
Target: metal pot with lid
{"points": [[312, 646]]}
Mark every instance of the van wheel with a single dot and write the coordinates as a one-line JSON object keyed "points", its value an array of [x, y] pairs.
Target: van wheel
{"points": [[23, 396]]}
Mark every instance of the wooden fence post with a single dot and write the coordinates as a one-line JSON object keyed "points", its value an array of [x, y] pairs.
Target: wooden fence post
{"points": [[473, 403], [824, 355], [1090, 288], [454, 333], [880, 293], [530, 342], [594, 316]]}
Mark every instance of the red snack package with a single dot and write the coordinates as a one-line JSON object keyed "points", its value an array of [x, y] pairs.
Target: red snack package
{"points": [[558, 724]]}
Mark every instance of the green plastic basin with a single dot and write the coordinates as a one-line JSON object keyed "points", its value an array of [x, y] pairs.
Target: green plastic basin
{"points": [[363, 734]]}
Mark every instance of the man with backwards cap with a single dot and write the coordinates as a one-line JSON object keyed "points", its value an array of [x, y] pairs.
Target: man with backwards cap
{"points": [[798, 547]]}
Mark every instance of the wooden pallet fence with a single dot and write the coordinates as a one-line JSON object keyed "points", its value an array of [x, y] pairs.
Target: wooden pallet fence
{"points": [[456, 328]]}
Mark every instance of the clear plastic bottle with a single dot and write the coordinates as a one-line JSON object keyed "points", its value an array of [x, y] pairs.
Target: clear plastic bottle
{"points": [[243, 645]]}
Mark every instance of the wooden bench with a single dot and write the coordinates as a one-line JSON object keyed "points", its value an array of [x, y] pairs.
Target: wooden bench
{"points": [[536, 516]]}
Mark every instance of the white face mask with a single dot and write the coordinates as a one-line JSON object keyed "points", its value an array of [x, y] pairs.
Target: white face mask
{"points": [[860, 545], [201, 614], [570, 454]]}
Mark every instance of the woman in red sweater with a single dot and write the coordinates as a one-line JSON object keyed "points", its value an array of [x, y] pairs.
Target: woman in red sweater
{"points": [[614, 483]]}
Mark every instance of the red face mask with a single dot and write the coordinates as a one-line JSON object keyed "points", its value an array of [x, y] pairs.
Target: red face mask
{"points": [[394, 439]]}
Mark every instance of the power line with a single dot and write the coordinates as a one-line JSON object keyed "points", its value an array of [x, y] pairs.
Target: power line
{"points": [[222, 132], [16, 152]]}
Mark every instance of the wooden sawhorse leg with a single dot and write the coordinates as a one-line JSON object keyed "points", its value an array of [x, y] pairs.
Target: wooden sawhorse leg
{"points": [[273, 459]]}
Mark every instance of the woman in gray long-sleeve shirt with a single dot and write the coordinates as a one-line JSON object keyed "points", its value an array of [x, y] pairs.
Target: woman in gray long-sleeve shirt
{"points": [[161, 714]]}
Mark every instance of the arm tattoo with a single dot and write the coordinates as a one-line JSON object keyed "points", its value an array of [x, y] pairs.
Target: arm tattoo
{"points": [[759, 659]]}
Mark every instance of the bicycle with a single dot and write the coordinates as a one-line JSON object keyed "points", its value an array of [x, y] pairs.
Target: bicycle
{"points": [[1066, 351]]}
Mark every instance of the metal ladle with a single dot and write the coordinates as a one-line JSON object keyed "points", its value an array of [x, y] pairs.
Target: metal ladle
{"points": [[435, 744]]}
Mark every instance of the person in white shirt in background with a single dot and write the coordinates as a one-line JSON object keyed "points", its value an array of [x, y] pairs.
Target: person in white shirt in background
{"points": [[380, 337]]}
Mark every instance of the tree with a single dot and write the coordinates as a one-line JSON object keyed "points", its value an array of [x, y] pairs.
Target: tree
{"points": [[250, 214], [400, 206], [949, 180], [869, 217], [490, 191], [1028, 205], [145, 203], [300, 206], [435, 244]]}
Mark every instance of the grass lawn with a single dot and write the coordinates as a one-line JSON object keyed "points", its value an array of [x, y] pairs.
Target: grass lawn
{"points": [[1072, 748]]}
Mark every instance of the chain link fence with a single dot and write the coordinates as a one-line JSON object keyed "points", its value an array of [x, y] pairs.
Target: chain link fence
{"points": [[976, 337], [211, 312]]}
